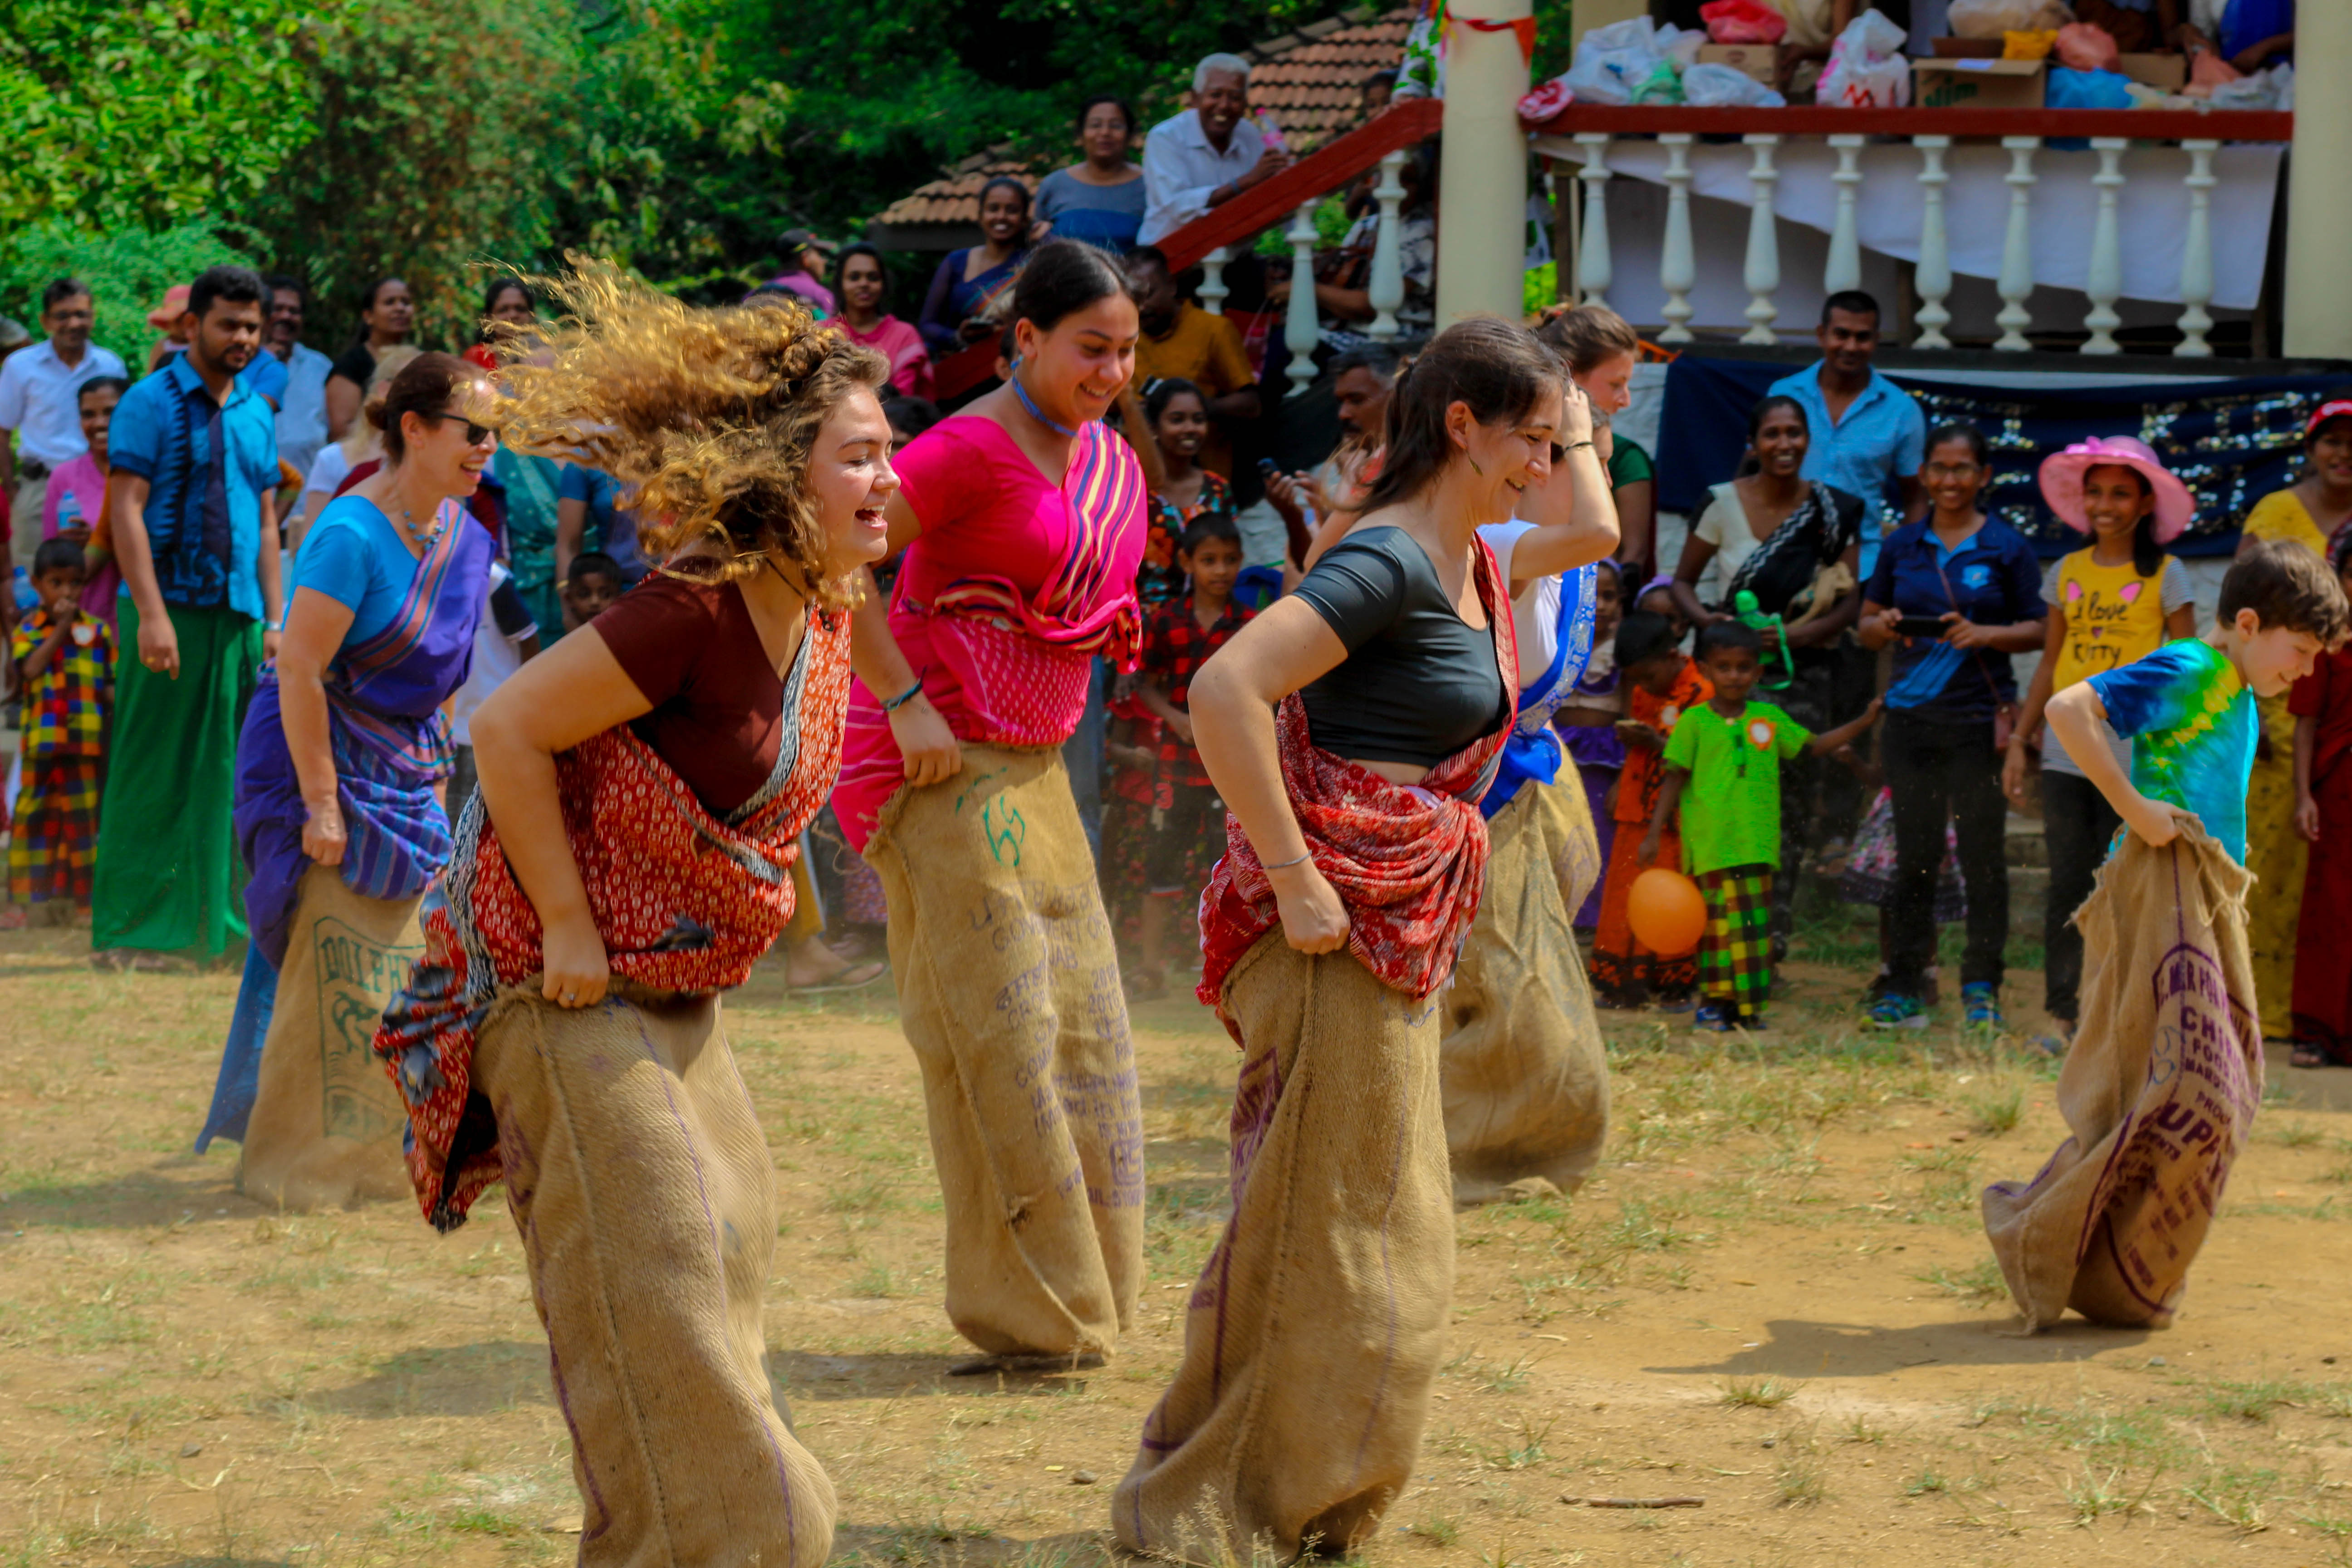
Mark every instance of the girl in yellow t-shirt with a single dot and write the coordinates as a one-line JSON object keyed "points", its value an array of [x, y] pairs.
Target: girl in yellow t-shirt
{"points": [[2117, 600]]}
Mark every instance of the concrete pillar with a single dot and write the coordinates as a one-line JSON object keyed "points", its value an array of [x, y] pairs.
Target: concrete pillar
{"points": [[1481, 212], [2319, 197]]}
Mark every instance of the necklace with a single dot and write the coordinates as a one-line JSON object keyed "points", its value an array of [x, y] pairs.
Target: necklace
{"points": [[1036, 413], [428, 533]]}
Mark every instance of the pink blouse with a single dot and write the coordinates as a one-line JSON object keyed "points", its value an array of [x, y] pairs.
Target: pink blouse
{"points": [[894, 340]]}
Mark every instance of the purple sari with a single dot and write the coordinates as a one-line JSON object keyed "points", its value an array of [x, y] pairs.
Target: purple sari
{"points": [[392, 744]]}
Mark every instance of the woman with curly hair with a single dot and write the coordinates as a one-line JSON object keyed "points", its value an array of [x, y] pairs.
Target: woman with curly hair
{"points": [[629, 857], [1023, 521]]}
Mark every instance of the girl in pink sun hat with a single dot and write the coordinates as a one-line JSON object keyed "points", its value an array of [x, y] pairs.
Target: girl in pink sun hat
{"points": [[2117, 599]]}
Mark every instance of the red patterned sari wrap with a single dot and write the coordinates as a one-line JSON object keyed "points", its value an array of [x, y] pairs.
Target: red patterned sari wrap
{"points": [[1408, 860], [686, 901]]}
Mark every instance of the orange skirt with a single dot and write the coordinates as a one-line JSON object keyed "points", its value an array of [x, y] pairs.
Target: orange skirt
{"points": [[1624, 972]]}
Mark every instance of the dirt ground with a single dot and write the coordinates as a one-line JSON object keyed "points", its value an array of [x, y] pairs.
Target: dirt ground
{"points": [[1775, 1297]]}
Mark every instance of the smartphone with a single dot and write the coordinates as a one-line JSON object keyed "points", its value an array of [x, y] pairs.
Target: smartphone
{"points": [[1929, 626], [1266, 467]]}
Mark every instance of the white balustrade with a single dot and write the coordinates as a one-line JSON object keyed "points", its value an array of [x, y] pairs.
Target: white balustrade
{"points": [[1385, 289], [1763, 271], [2104, 284], [1678, 265], [1212, 289], [2016, 280], [1593, 270], [1844, 268], [1933, 275], [2196, 252], [1302, 326]]}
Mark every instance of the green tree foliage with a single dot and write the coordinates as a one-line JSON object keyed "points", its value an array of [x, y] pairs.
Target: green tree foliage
{"points": [[443, 128], [126, 275], [131, 114]]}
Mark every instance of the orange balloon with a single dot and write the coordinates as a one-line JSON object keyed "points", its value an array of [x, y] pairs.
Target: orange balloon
{"points": [[1666, 912]]}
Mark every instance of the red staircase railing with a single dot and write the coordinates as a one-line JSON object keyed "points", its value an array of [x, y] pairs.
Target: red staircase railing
{"points": [[1328, 168]]}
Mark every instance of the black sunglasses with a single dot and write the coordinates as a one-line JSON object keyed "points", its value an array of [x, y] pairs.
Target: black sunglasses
{"points": [[474, 433]]}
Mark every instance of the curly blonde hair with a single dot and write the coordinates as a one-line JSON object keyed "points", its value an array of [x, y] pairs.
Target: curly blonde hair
{"points": [[708, 415]]}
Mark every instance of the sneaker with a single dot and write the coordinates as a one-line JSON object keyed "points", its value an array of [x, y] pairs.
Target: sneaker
{"points": [[1983, 1003], [1712, 1018], [1895, 1011], [1749, 1023]]}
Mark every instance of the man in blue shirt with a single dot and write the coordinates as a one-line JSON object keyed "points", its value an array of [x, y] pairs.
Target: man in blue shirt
{"points": [[195, 461], [301, 399], [1865, 430]]}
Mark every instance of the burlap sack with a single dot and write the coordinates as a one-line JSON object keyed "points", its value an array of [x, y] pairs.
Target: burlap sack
{"points": [[1315, 1331], [1525, 1080], [1009, 991], [644, 1194], [326, 1125], [2159, 1091]]}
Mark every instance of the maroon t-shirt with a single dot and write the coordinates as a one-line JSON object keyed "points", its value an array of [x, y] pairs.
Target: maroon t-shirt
{"points": [[719, 709]]}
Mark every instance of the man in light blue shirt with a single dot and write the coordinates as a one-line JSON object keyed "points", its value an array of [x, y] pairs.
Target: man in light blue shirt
{"points": [[1865, 430], [303, 399], [1207, 155]]}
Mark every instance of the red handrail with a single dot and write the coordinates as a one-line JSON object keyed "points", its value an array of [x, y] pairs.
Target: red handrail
{"points": [[1325, 169], [2140, 124]]}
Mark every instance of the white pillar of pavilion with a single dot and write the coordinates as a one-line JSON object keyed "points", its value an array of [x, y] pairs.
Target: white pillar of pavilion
{"points": [[1482, 210], [2318, 314]]}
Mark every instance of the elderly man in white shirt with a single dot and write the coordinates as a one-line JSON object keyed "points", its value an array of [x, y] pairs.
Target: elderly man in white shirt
{"points": [[1207, 155], [302, 410], [41, 406]]}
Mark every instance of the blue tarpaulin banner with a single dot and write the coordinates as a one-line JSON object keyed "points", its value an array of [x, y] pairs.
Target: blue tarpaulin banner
{"points": [[2231, 442]]}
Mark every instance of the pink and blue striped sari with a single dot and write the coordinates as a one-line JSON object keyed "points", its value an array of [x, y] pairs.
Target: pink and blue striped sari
{"points": [[392, 744]]}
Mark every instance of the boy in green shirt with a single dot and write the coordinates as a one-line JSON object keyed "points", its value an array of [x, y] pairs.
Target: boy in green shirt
{"points": [[1723, 772]]}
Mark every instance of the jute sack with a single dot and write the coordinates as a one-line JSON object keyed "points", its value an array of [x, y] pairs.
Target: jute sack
{"points": [[2158, 1090], [1315, 1331], [326, 1125], [1577, 856], [1525, 1076], [1009, 992], [642, 1187]]}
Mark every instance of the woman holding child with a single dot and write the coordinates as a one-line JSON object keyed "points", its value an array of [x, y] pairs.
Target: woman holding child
{"points": [[1351, 728], [629, 858], [338, 817]]}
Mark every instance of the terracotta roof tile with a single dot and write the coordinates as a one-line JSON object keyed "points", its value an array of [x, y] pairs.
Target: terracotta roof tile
{"points": [[1311, 81]]}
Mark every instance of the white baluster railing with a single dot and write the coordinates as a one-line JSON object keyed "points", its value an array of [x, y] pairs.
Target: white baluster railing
{"points": [[1845, 269], [1933, 276], [1302, 326], [2104, 283], [1212, 289], [1593, 270], [1763, 271], [2016, 281], [1386, 287], [1678, 264], [2196, 252]]}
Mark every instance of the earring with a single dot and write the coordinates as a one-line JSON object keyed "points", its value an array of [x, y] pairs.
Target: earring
{"points": [[1473, 464]]}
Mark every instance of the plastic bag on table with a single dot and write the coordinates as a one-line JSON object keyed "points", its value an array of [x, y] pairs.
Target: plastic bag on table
{"points": [[1612, 63], [2272, 89], [1742, 22], [1709, 86], [1866, 69], [1663, 85], [1680, 45], [2028, 45], [1547, 102], [2071, 88], [1991, 18], [2085, 47]]}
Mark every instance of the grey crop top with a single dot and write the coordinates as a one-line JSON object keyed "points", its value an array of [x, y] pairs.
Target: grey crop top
{"points": [[1419, 684]]}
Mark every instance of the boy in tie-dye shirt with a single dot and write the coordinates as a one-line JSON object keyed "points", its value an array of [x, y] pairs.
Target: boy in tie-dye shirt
{"points": [[2188, 707]]}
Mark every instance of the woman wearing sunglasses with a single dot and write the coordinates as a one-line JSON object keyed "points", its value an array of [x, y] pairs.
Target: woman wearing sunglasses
{"points": [[339, 811]]}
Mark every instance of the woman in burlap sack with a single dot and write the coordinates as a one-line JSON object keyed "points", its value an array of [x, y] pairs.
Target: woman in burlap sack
{"points": [[1525, 1079], [1021, 520], [629, 858], [338, 813], [1352, 728]]}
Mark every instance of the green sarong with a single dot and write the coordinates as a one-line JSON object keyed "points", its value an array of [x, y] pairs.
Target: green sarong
{"points": [[531, 484], [169, 877]]}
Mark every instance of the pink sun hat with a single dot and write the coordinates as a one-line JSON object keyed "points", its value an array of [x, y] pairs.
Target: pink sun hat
{"points": [[2061, 482]]}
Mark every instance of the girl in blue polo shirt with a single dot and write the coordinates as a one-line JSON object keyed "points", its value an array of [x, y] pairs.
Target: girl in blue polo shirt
{"points": [[1978, 578]]}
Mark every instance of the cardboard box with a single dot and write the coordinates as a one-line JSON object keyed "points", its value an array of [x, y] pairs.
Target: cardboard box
{"points": [[1968, 48], [1978, 83], [1759, 62], [2167, 73]]}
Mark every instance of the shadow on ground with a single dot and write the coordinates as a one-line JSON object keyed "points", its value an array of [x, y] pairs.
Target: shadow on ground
{"points": [[901, 1545], [1799, 1348], [898, 1374]]}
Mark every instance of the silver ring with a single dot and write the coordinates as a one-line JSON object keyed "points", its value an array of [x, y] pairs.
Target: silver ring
{"points": [[569, 998]]}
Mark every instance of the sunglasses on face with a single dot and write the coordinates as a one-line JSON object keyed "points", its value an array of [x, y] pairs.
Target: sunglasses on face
{"points": [[475, 434]]}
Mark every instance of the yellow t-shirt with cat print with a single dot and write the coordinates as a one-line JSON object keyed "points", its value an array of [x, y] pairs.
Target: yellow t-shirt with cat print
{"points": [[2114, 616]]}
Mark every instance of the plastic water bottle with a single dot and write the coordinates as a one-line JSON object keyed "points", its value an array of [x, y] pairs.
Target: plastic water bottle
{"points": [[1270, 132], [1776, 640], [68, 512]]}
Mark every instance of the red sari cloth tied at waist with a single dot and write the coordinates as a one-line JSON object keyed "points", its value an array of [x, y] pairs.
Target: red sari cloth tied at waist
{"points": [[1004, 601], [685, 900], [1408, 860]]}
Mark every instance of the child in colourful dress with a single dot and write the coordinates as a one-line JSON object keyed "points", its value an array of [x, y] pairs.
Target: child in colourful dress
{"points": [[65, 657], [1661, 684], [2322, 706], [1723, 778]]}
